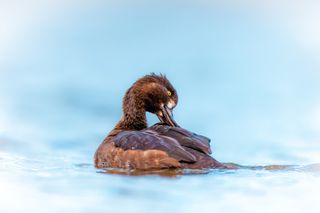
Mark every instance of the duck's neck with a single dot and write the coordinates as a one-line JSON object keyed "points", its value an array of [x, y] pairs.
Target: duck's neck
{"points": [[134, 114], [132, 122]]}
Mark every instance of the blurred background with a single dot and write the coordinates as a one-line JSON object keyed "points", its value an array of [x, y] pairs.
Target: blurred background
{"points": [[247, 75]]}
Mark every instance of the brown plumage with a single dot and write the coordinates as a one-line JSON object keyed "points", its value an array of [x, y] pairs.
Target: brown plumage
{"points": [[132, 145]]}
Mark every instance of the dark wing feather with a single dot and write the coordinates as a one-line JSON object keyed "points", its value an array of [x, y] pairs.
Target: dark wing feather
{"points": [[184, 137], [148, 139]]}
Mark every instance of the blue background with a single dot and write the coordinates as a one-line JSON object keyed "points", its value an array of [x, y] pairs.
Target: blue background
{"points": [[247, 75]]}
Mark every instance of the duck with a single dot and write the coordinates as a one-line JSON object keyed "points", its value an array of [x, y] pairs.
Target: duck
{"points": [[131, 144]]}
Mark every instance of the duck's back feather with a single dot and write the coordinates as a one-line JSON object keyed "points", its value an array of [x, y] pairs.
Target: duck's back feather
{"points": [[184, 137], [159, 146], [151, 140]]}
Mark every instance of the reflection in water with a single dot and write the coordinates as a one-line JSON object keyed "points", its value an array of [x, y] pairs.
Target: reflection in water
{"points": [[164, 173], [313, 168]]}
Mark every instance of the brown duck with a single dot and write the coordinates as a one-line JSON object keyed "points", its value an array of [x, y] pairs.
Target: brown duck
{"points": [[133, 145]]}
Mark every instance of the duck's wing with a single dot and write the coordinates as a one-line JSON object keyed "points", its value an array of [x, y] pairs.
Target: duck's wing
{"points": [[151, 140], [184, 137]]}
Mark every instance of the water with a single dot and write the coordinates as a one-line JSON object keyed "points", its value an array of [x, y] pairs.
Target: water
{"points": [[59, 184], [243, 79]]}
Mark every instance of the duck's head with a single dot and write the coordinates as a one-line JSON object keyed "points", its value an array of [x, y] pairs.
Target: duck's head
{"points": [[152, 93]]}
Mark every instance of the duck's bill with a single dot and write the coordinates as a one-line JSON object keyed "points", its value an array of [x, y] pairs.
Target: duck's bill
{"points": [[165, 116]]}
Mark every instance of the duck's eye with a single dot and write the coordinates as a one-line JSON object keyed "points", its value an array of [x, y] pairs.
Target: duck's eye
{"points": [[169, 93]]}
